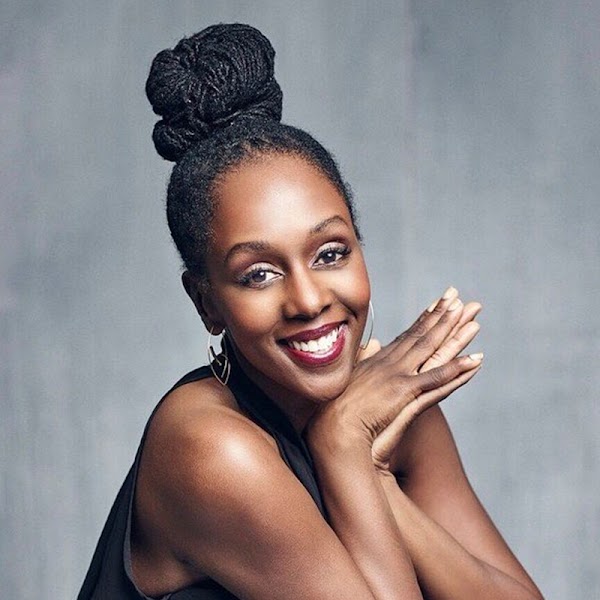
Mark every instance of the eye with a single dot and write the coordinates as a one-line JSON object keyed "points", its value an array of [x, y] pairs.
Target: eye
{"points": [[259, 276], [332, 254]]}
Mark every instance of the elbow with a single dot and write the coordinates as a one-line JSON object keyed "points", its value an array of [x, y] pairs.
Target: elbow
{"points": [[533, 593]]}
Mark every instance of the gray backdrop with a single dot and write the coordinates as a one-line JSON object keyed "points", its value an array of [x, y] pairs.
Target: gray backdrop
{"points": [[470, 133]]}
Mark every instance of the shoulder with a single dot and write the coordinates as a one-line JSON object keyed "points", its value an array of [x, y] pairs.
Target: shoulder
{"points": [[203, 469], [202, 450], [200, 420], [215, 498]]}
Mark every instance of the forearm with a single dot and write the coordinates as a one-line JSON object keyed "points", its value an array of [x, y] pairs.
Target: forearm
{"points": [[445, 569], [360, 515]]}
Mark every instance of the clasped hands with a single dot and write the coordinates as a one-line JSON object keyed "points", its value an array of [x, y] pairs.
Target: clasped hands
{"points": [[393, 384]]}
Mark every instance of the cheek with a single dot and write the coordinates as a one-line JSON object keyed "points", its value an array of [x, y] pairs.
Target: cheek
{"points": [[251, 315], [355, 288]]}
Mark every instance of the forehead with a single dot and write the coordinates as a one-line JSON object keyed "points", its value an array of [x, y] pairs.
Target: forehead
{"points": [[274, 198]]}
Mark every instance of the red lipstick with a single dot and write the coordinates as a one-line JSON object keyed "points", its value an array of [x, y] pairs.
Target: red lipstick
{"points": [[313, 334], [317, 358]]}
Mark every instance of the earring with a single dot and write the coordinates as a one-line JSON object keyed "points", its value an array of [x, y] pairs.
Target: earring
{"points": [[221, 360], [368, 326]]}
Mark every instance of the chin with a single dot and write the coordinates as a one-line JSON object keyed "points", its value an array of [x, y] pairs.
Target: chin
{"points": [[322, 370], [292, 373], [325, 387]]}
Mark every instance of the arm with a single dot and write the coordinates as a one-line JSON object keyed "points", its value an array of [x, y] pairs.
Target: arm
{"points": [[214, 497], [455, 547], [360, 514], [456, 550], [386, 391], [219, 498]]}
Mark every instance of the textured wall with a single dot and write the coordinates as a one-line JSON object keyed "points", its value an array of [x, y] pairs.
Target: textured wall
{"points": [[470, 133]]}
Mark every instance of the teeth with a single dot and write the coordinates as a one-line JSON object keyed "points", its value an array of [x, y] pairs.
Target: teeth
{"points": [[321, 344]]}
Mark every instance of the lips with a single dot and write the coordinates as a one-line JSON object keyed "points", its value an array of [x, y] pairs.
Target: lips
{"points": [[313, 334], [318, 346]]}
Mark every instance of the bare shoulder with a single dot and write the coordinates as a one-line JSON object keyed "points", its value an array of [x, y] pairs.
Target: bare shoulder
{"points": [[199, 439], [215, 499], [200, 412]]}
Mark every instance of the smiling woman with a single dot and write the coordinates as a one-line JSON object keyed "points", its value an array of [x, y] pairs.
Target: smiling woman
{"points": [[298, 464], [287, 271]]}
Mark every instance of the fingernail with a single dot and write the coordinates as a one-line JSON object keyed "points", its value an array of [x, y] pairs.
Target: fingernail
{"points": [[451, 291], [455, 304], [432, 306], [471, 327], [477, 356]]}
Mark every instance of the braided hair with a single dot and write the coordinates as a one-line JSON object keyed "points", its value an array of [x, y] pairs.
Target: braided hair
{"points": [[220, 105]]}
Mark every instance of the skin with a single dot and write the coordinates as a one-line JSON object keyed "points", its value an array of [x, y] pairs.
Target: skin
{"points": [[214, 497]]}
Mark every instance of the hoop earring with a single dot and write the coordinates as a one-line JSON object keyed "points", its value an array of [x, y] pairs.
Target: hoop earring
{"points": [[222, 361], [369, 326]]}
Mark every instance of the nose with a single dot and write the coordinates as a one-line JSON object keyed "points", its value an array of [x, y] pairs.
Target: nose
{"points": [[307, 295]]}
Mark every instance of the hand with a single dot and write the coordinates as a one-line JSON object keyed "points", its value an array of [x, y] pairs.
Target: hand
{"points": [[457, 340], [392, 385]]}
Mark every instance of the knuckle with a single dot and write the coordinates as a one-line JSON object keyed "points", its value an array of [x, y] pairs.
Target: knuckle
{"points": [[437, 377], [439, 309], [451, 315], [451, 347], [454, 367], [425, 343], [399, 338], [458, 338], [437, 357], [384, 362], [418, 329]]}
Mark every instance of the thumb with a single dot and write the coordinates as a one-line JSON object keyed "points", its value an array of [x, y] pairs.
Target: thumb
{"points": [[373, 347]]}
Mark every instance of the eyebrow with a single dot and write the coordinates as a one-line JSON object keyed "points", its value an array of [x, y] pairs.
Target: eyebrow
{"points": [[256, 246], [326, 223], [261, 245]]}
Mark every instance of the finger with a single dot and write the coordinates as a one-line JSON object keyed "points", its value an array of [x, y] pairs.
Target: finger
{"points": [[441, 304], [445, 374], [392, 434], [432, 397], [426, 320], [373, 347], [470, 311], [452, 346], [425, 346]]}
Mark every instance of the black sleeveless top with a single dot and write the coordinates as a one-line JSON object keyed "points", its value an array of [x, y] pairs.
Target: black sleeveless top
{"points": [[109, 576]]}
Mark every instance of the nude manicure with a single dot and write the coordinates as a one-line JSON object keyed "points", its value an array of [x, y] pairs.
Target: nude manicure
{"points": [[451, 291], [455, 304], [432, 306], [477, 356]]}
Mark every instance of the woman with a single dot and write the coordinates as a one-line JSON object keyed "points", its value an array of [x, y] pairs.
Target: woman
{"points": [[304, 462]]}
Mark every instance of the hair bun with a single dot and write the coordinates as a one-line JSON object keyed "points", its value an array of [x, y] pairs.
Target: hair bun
{"points": [[207, 81]]}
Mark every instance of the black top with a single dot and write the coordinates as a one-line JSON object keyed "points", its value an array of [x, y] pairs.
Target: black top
{"points": [[109, 576]]}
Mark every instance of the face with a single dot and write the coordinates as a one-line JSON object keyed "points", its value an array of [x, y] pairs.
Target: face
{"points": [[287, 278]]}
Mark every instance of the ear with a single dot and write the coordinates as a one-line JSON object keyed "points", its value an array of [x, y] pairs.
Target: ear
{"points": [[199, 293]]}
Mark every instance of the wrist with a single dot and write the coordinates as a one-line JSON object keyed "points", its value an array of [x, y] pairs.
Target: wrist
{"points": [[329, 441], [386, 477]]}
